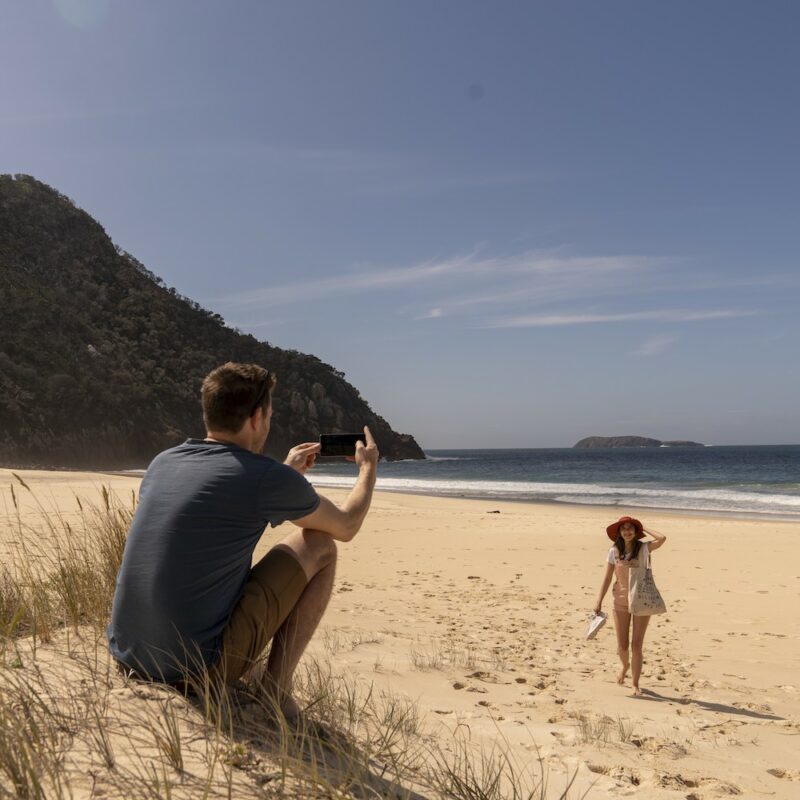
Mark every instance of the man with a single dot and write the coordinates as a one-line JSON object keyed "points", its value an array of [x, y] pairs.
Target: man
{"points": [[186, 596]]}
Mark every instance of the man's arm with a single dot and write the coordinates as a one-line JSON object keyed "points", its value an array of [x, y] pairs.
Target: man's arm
{"points": [[344, 522]]}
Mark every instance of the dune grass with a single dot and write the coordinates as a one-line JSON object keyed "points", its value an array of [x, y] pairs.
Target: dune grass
{"points": [[72, 726]]}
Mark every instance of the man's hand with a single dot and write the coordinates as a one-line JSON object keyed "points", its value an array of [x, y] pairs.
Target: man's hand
{"points": [[367, 455], [344, 522], [302, 457]]}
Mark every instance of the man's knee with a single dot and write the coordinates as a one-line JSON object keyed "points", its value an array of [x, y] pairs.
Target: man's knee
{"points": [[315, 550], [321, 546], [320, 542]]}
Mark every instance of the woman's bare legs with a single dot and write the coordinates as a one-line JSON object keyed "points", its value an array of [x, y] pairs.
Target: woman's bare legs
{"points": [[639, 628], [622, 622]]}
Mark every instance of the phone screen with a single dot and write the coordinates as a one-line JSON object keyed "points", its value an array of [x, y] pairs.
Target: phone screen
{"points": [[339, 444]]}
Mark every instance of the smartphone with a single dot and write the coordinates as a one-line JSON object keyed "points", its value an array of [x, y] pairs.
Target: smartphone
{"points": [[339, 444]]}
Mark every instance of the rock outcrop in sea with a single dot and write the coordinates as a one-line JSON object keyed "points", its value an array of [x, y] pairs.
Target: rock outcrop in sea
{"points": [[591, 442]]}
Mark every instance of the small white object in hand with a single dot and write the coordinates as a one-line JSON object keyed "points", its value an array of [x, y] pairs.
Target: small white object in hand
{"points": [[596, 621]]}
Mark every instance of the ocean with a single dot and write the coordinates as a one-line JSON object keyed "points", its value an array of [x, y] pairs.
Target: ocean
{"points": [[753, 480]]}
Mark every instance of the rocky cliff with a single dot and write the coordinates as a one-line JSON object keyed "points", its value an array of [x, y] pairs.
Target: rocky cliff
{"points": [[101, 363]]}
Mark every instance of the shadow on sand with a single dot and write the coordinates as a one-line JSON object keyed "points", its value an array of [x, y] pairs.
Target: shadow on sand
{"points": [[304, 751], [648, 694], [310, 751]]}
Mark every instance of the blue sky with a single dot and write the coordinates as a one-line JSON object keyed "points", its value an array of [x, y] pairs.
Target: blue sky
{"points": [[509, 224]]}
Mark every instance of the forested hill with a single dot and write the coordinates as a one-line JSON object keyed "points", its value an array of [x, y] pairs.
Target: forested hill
{"points": [[101, 364]]}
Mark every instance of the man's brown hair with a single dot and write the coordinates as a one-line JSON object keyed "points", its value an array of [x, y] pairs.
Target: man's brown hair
{"points": [[232, 393]]}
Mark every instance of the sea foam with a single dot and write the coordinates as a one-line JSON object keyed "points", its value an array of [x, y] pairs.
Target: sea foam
{"points": [[721, 500]]}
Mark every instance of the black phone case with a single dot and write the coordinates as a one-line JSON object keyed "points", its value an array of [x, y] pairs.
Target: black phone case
{"points": [[335, 445]]}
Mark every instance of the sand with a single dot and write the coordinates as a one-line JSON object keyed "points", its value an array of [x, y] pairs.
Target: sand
{"points": [[476, 611]]}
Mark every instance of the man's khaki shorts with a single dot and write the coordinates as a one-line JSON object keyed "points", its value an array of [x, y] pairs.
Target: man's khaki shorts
{"points": [[271, 592]]}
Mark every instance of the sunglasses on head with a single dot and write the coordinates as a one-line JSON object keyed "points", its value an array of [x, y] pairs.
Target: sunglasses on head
{"points": [[262, 393]]}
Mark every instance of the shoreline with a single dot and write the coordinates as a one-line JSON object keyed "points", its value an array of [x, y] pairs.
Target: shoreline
{"points": [[754, 516]]}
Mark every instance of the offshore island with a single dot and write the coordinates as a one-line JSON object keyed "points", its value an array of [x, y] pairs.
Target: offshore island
{"points": [[592, 442]]}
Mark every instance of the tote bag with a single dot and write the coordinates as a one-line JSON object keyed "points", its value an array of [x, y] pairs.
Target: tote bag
{"points": [[644, 598]]}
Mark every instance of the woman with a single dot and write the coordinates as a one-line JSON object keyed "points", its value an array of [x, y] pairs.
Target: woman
{"points": [[628, 551]]}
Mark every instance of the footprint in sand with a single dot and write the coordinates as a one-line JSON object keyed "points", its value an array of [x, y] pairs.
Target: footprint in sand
{"points": [[650, 744], [149, 692], [618, 773], [676, 782], [486, 677], [785, 774], [719, 787]]}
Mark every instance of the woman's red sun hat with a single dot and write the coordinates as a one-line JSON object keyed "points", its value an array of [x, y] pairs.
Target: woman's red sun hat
{"points": [[613, 529]]}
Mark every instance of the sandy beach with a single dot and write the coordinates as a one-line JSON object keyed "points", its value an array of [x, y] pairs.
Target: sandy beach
{"points": [[476, 612]]}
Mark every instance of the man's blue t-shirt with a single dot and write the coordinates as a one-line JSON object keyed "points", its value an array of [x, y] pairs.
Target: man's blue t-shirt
{"points": [[203, 507]]}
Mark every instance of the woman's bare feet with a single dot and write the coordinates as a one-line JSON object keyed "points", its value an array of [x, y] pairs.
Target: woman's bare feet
{"points": [[623, 672], [637, 692]]}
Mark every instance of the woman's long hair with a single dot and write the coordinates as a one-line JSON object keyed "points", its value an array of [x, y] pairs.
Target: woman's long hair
{"points": [[620, 545]]}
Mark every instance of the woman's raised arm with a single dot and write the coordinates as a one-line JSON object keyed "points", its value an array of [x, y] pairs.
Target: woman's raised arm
{"points": [[658, 539]]}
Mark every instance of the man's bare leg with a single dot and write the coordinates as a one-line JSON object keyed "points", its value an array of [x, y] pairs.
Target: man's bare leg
{"points": [[316, 552]]}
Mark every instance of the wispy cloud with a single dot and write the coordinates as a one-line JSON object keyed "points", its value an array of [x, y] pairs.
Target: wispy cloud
{"points": [[369, 172], [654, 345], [324, 159], [551, 274], [562, 279], [664, 315], [534, 289], [349, 283], [434, 313], [69, 115], [429, 182]]}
